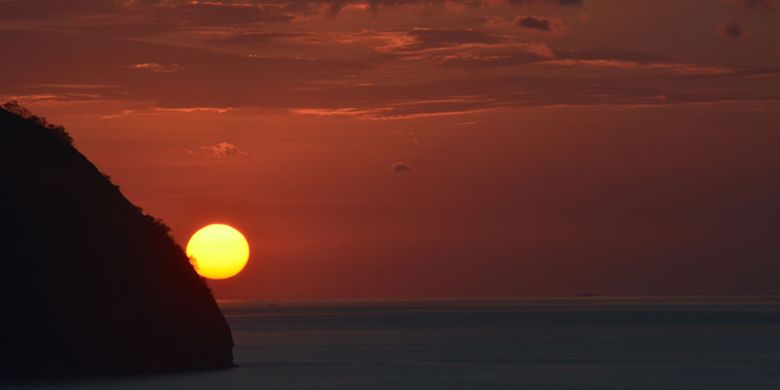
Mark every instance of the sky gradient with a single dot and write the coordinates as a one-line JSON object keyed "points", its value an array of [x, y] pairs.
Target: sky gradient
{"points": [[431, 149]]}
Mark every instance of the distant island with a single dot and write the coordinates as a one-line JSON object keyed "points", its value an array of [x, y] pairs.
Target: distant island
{"points": [[91, 285]]}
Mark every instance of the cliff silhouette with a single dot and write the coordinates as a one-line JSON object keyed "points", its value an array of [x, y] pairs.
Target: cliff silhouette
{"points": [[90, 284]]}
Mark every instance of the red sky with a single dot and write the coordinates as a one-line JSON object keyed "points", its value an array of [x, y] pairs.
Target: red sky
{"points": [[421, 149]]}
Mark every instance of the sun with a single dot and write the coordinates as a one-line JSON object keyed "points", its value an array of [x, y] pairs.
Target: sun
{"points": [[218, 251]]}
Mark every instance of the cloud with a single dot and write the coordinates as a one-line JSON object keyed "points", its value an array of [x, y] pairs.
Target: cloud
{"points": [[481, 59], [145, 16], [410, 108], [761, 4], [392, 113], [731, 29], [257, 38], [64, 97], [369, 68], [76, 86], [222, 13], [665, 67], [430, 38], [167, 110], [500, 74], [539, 23], [334, 7], [401, 167], [563, 3], [221, 150], [462, 47], [156, 68]]}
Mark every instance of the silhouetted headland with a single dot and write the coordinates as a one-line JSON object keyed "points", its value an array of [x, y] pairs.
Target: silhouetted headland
{"points": [[91, 285]]}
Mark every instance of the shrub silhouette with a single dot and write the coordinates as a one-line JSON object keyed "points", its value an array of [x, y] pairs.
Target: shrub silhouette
{"points": [[14, 107]]}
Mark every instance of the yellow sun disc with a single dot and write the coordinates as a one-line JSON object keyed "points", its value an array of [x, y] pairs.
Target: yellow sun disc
{"points": [[218, 251]]}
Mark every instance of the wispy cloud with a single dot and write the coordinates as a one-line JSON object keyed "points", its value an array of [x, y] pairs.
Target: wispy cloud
{"points": [[163, 110], [76, 86], [222, 150], [190, 57], [410, 109], [156, 68], [673, 68], [52, 97]]}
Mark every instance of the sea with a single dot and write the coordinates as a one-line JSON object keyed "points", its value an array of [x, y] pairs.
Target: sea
{"points": [[578, 343]]}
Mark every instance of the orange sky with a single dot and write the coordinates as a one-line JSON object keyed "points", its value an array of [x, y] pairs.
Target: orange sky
{"points": [[421, 149]]}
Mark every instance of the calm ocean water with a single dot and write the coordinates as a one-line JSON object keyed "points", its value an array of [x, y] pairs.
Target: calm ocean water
{"points": [[588, 343]]}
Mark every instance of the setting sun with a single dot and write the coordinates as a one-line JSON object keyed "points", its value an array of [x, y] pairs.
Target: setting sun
{"points": [[218, 251]]}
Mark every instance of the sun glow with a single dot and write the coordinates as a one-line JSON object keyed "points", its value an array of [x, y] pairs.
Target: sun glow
{"points": [[218, 251]]}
